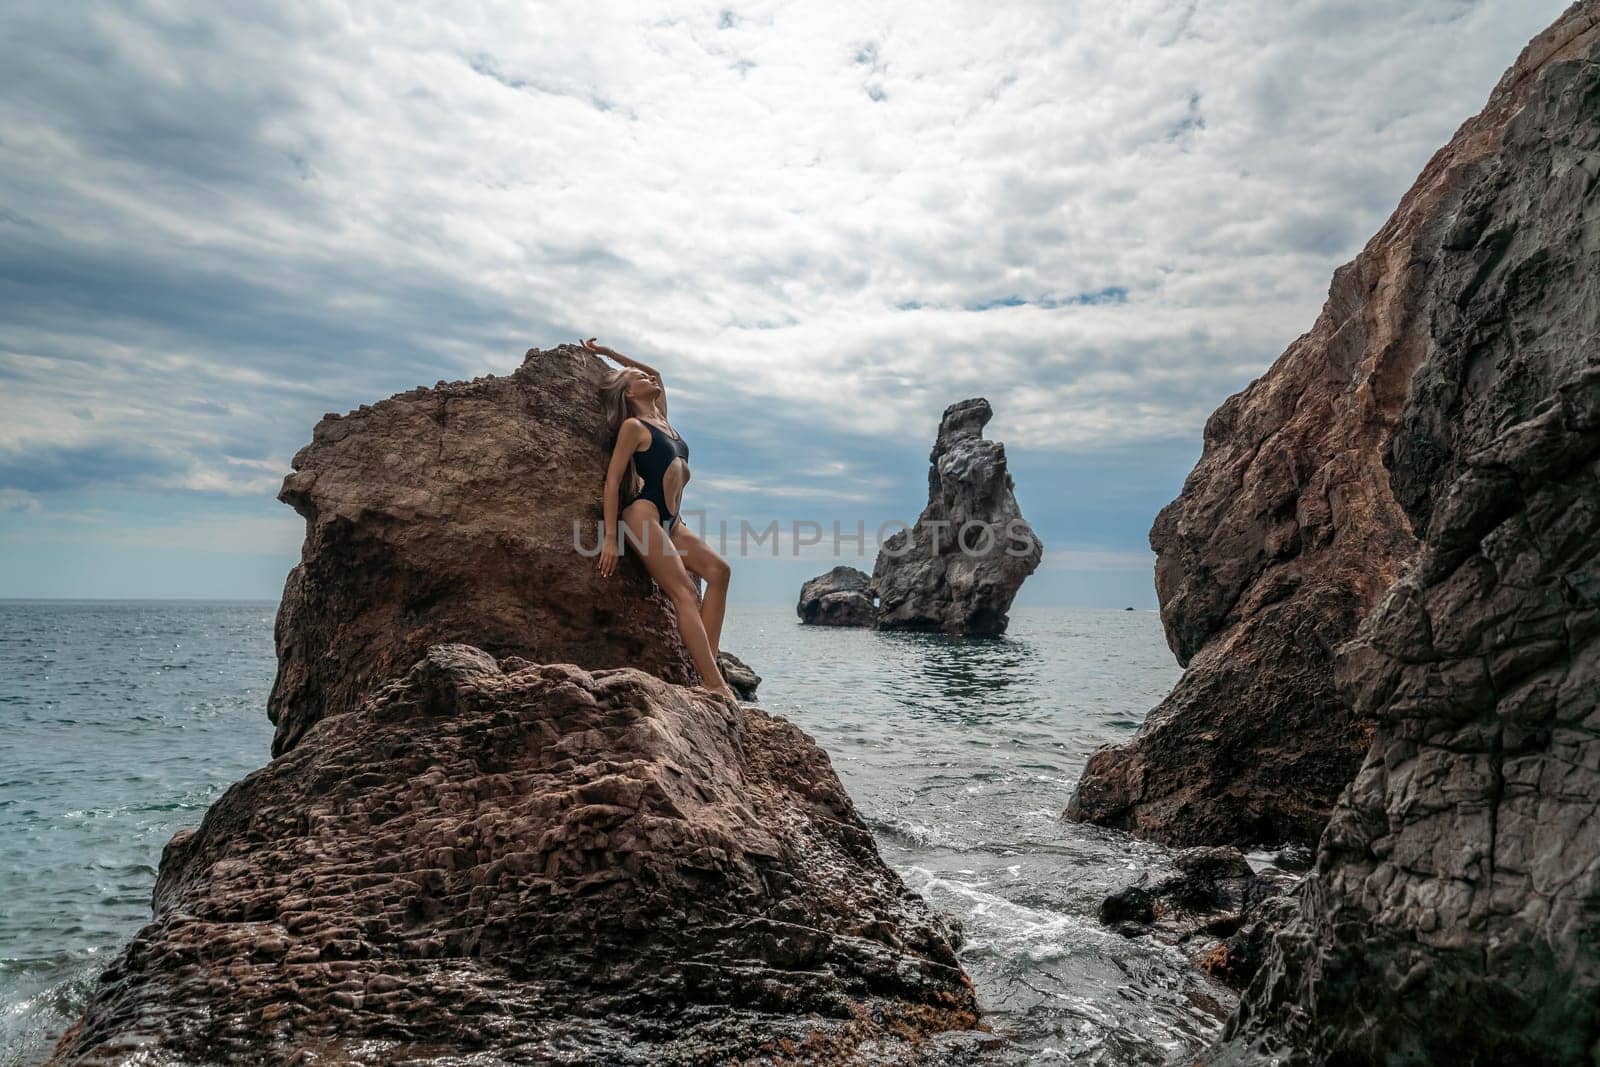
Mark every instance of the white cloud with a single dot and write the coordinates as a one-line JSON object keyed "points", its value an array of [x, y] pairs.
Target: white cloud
{"points": [[247, 220]]}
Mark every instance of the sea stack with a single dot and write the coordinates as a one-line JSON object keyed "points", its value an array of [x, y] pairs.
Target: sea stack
{"points": [[957, 570], [841, 597], [470, 856], [1473, 302]]}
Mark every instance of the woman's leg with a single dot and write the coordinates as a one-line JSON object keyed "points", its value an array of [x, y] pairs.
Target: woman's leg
{"points": [[661, 559], [700, 558]]}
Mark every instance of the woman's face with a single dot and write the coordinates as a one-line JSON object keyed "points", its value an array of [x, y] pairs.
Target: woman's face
{"points": [[640, 385]]}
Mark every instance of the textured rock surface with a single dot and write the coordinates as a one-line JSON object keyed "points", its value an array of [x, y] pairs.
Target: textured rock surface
{"points": [[521, 863], [1454, 913], [842, 597], [1462, 869], [1291, 526], [1214, 907], [958, 568], [738, 674], [447, 514]]}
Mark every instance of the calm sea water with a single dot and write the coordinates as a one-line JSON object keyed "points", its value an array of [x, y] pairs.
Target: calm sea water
{"points": [[123, 721]]}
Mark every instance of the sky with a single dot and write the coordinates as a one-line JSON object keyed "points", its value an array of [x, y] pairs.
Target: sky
{"points": [[823, 222]]}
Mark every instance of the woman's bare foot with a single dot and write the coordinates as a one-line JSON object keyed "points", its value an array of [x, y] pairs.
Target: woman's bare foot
{"points": [[726, 691]]}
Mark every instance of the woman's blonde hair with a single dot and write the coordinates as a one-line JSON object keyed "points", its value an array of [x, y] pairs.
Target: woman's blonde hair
{"points": [[614, 401]]}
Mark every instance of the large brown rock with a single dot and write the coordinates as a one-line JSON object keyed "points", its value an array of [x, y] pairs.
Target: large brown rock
{"points": [[448, 514], [1292, 524], [1454, 914], [513, 863]]}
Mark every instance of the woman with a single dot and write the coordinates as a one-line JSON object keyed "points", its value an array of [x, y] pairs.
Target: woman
{"points": [[651, 456]]}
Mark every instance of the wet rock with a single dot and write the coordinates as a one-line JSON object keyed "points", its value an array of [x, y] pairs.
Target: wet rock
{"points": [[1237, 960], [1207, 899], [737, 673], [1130, 904], [959, 567], [1451, 915], [1294, 857], [1315, 480], [1202, 908], [841, 597], [539, 864], [449, 514]]}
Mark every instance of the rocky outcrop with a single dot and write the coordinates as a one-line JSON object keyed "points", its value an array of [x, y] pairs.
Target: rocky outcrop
{"points": [[842, 597], [1214, 907], [449, 514], [738, 674], [1452, 914], [1304, 506], [959, 567], [508, 862]]}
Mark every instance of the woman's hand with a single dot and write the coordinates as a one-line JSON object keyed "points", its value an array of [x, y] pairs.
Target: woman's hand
{"points": [[608, 558], [599, 350]]}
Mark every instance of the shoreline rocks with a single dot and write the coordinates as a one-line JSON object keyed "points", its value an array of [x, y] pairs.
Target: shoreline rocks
{"points": [[1312, 490], [1215, 908], [959, 567], [532, 863], [1451, 914], [738, 674], [841, 597], [496, 828]]}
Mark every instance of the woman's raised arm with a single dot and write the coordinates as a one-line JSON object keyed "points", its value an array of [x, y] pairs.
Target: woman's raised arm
{"points": [[626, 361], [629, 361]]}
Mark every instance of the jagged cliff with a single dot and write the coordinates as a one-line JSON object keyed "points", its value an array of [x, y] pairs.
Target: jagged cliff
{"points": [[1454, 913], [1317, 479], [461, 856]]}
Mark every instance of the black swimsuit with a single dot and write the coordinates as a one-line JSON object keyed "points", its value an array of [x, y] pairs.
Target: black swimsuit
{"points": [[652, 464]]}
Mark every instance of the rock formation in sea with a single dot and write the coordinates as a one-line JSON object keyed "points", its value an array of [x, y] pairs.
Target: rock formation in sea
{"points": [[460, 854], [449, 514], [841, 597], [1452, 915], [959, 567], [531, 863], [1316, 480]]}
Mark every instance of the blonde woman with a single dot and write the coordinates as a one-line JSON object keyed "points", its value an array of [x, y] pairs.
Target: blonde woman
{"points": [[651, 461]]}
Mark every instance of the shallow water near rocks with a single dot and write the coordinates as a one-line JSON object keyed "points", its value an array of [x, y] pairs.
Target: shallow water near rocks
{"points": [[123, 721]]}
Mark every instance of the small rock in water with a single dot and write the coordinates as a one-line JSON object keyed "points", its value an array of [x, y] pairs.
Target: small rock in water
{"points": [[842, 597], [1129, 904], [737, 673]]}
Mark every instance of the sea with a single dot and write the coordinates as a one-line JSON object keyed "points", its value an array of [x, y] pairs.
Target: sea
{"points": [[121, 721]]}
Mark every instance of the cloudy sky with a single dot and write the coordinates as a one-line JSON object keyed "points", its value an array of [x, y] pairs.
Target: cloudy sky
{"points": [[824, 222]]}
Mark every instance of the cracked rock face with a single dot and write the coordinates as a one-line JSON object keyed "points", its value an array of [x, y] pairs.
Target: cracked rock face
{"points": [[1452, 915], [1315, 480], [842, 597], [448, 514], [959, 567], [508, 862]]}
